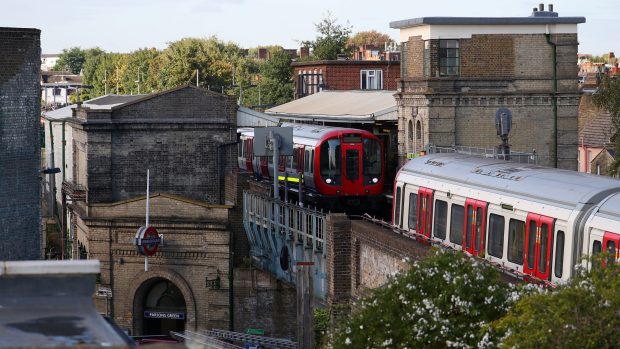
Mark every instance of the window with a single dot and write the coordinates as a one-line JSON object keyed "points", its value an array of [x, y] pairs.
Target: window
{"points": [[397, 207], [456, 224], [597, 247], [413, 210], [543, 248], [531, 245], [352, 160], [371, 79], [559, 253], [307, 161], [516, 240], [371, 160], [57, 91], [448, 57], [441, 219], [496, 235]]}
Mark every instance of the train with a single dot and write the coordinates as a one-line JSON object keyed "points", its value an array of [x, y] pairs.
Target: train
{"points": [[333, 166], [535, 221]]}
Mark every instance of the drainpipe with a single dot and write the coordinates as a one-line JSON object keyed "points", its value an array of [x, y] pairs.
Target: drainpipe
{"points": [[554, 98]]}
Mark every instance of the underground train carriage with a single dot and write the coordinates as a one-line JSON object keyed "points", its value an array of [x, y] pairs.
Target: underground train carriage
{"points": [[534, 221], [332, 167]]}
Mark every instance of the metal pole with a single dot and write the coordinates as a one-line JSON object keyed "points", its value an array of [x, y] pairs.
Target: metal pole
{"points": [[275, 145], [146, 258]]}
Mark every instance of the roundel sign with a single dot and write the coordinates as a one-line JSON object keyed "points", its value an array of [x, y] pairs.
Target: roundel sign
{"points": [[147, 240]]}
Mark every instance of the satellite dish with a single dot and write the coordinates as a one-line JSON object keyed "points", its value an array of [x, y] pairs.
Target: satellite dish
{"points": [[503, 122]]}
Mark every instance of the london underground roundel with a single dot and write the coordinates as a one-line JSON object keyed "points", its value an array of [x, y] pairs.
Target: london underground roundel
{"points": [[147, 240]]}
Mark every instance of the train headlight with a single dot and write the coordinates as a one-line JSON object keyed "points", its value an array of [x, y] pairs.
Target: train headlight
{"points": [[328, 181], [375, 180]]}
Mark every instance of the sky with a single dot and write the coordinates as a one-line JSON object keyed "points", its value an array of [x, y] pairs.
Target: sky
{"points": [[127, 25]]}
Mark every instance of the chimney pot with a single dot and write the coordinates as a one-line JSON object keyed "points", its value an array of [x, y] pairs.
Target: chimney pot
{"points": [[541, 7], [550, 7], [535, 9]]}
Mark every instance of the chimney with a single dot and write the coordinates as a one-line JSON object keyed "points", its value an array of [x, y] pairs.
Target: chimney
{"points": [[304, 52], [541, 7], [535, 9], [550, 7]]}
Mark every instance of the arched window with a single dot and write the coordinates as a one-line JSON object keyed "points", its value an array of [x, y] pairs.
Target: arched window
{"points": [[418, 131], [410, 130]]}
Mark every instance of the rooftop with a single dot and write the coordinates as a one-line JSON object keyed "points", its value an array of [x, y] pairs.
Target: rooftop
{"points": [[340, 106]]}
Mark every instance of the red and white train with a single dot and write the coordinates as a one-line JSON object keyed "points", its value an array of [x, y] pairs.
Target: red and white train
{"points": [[530, 219], [331, 162]]}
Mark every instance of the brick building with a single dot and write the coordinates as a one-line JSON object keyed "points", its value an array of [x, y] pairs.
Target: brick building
{"points": [[458, 71], [314, 76], [596, 138], [20, 233], [186, 137]]}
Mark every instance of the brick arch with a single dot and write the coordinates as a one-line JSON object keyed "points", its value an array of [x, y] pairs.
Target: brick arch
{"points": [[137, 289]]}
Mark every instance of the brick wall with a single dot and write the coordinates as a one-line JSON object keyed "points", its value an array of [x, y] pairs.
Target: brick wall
{"points": [[263, 302], [485, 56], [20, 61]]}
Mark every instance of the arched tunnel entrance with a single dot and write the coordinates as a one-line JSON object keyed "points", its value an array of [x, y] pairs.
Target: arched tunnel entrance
{"points": [[160, 307]]}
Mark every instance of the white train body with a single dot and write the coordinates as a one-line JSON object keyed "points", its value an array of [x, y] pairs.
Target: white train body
{"points": [[530, 219]]}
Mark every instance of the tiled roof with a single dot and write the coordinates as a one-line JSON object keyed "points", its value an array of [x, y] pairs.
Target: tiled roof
{"points": [[598, 131]]}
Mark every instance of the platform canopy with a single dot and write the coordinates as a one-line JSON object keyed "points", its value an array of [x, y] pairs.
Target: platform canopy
{"points": [[340, 106]]}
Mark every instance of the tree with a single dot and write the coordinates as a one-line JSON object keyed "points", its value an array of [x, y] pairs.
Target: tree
{"points": [[371, 37], [331, 39], [71, 59], [581, 314], [607, 97], [445, 300]]}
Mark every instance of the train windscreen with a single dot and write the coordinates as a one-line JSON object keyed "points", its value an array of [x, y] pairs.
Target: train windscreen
{"points": [[330, 160], [372, 158]]}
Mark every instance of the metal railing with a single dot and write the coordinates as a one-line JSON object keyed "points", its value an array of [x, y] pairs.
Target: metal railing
{"points": [[521, 157]]}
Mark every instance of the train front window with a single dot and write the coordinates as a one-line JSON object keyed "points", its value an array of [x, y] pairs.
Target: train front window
{"points": [[330, 159], [371, 160], [352, 162]]}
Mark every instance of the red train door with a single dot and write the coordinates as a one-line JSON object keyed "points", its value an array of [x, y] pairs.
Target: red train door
{"points": [[249, 155], [611, 242], [538, 242], [425, 212], [475, 226], [352, 182]]}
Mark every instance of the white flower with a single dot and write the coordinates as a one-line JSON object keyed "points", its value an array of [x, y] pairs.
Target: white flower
{"points": [[347, 341]]}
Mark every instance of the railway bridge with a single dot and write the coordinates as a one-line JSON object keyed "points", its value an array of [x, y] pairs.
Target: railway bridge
{"points": [[342, 256]]}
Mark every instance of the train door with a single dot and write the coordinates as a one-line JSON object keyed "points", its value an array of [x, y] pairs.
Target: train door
{"points": [[475, 226], [352, 182], [249, 154], [538, 241], [425, 212], [611, 242]]}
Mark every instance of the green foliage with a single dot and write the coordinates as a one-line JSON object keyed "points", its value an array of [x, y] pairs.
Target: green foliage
{"points": [[581, 314], [371, 37], [331, 39], [71, 59], [607, 97], [445, 300], [321, 324]]}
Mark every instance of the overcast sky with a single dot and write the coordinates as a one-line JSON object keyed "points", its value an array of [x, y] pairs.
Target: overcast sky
{"points": [[126, 25]]}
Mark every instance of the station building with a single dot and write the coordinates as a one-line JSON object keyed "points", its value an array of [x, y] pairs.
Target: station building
{"points": [[186, 138], [456, 72]]}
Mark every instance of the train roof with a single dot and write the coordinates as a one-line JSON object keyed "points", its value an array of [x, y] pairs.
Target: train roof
{"points": [[611, 207], [543, 184], [308, 134]]}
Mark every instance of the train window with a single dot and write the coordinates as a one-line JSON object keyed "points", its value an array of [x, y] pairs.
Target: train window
{"points": [[479, 235], [531, 245], [294, 160], [330, 159], [559, 253], [597, 247], [311, 165], [413, 210], [456, 224], [441, 219], [371, 160], [496, 235], [470, 216], [397, 207], [352, 159], [543, 249], [516, 240], [611, 250]]}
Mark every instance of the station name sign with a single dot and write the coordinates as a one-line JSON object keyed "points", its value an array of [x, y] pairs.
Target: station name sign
{"points": [[164, 315]]}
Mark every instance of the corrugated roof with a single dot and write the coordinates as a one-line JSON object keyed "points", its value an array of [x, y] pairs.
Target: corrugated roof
{"points": [[598, 131], [344, 106]]}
